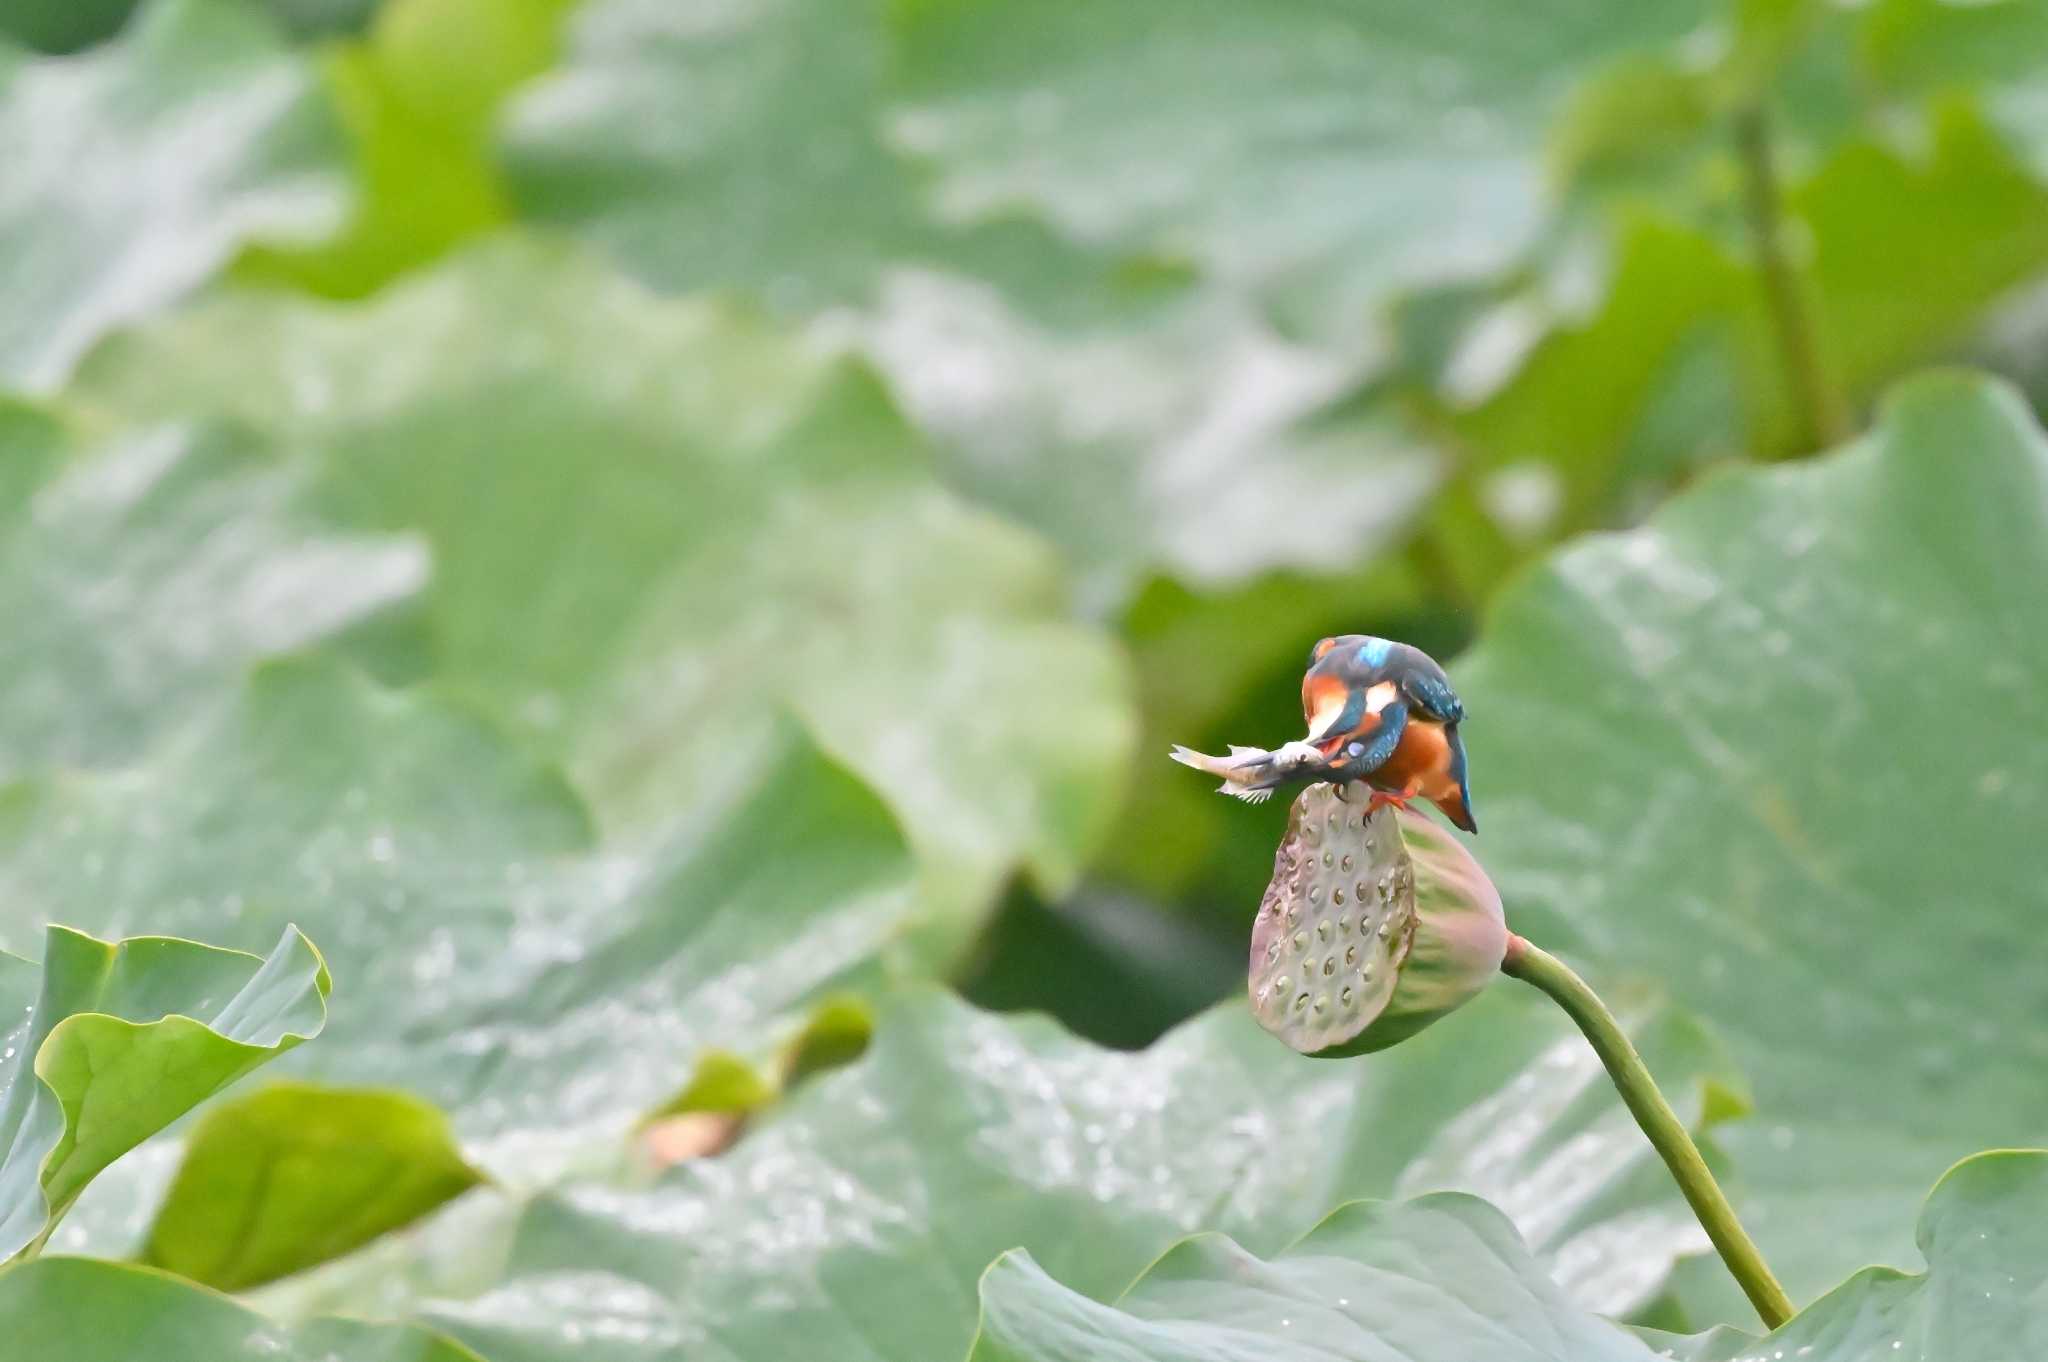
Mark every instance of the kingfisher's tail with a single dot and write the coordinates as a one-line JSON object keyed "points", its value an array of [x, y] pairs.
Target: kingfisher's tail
{"points": [[1458, 807]]}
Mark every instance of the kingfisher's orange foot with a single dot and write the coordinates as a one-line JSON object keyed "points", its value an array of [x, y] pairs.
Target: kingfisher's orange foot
{"points": [[1383, 799]]}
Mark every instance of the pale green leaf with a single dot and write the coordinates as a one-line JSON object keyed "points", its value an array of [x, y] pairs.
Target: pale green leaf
{"points": [[1440, 1279], [419, 94], [1906, 215], [295, 1174], [493, 958], [746, 526], [1189, 441], [852, 1220], [136, 170], [1322, 155], [122, 1038], [749, 147], [1984, 1236], [86, 1311], [68, 25], [1778, 750], [141, 573], [1445, 1279], [1916, 48]]}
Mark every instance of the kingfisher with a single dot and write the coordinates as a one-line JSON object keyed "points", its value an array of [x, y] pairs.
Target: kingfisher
{"points": [[1377, 711]]}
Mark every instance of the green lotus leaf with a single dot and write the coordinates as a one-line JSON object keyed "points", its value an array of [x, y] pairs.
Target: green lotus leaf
{"points": [[84, 1310], [1438, 1279], [130, 606], [1914, 50], [1983, 1234], [865, 1203], [1682, 362], [1700, 765], [742, 872], [752, 531], [419, 95], [89, 237], [1445, 1279], [1057, 233], [1324, 158], [1170, 440], [119, 1039], [791, 186], [70, 25], [543, 988], [296, 1174]]}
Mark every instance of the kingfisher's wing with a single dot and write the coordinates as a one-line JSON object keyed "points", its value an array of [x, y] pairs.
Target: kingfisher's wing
{"points": [[1375, 739], [1429, 690]]}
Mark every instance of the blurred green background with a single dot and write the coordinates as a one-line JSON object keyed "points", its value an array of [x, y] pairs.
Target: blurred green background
{"points": [[626, 519]]}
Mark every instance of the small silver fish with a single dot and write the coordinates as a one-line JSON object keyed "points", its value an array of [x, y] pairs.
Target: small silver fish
{"points": [[1253, 773]]}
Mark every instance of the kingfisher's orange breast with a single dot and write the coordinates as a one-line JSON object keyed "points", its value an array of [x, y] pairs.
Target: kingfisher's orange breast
{"points": [[1421, 762]]}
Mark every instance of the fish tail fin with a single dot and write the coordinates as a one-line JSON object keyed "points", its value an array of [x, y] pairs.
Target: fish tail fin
{"points": [[1201, 761]]}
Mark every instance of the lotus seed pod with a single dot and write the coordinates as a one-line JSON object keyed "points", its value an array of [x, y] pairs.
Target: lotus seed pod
{"points": [[1372, 927]]}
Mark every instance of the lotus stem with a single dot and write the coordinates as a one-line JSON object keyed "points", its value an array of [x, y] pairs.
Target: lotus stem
{"points": [[1822, 411], [1673, 1143]]}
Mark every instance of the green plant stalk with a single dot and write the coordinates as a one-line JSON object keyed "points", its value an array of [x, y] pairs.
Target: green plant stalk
{"points": [[1533, 965], [1821, 408]]}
